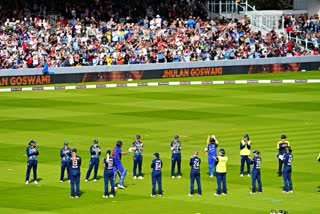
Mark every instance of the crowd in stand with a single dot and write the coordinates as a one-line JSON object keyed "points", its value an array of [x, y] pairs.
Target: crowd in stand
{"points": [[177, 34]]}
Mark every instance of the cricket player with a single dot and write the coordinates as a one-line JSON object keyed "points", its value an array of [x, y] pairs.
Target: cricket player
{"points": [[74, 164], [287, 158], [245, 146], [211, 150], [137, 147], [65, 154], [221, 173], [32, 153], [116, 154], [175, 147], [108, 165], [281, 146], [256, 175], [95, 151], [194, 163], [156, 166], [319, 157]]}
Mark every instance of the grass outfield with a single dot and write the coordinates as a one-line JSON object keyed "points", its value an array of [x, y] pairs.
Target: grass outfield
{"points": [[158, 113]]}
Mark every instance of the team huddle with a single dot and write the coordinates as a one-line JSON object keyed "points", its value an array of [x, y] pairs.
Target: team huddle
{"points": [[217, 164]]}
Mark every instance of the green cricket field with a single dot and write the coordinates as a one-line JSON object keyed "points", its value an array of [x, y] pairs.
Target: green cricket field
{"points": [[264, 111]]}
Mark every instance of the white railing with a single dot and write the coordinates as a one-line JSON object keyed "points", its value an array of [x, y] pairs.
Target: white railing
{"points": [[305, 43], [235, 10]]}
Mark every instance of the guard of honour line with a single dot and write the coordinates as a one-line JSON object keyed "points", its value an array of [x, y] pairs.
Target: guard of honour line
{"points": [[217, 165]]}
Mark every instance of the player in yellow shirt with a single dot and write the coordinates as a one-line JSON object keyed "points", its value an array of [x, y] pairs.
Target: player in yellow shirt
{"points": [[281, 146], [245, 146], [221, 173]]}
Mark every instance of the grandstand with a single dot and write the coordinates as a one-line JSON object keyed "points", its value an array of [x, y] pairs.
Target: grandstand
{"points": [[83, 32]]}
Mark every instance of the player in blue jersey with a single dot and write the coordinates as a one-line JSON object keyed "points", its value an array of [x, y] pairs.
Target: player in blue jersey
{"points": [[194, 163], [175, 147], [74, 165], [211, 150], [281, 146], [108, 165], [137, 147], [256, 174], [116, 154], [156, 176], [287, 158], [65, 154], [32, 153], [95, 151]]}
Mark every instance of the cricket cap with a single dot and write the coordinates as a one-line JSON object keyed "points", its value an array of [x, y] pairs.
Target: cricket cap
{"points": [[283, 136], [138, 136], [156, 154], [65, 143], [246, 136], [176, 137], [95, 141], [32, 142], [108, 152], [222, 151], [119, 143], [255, 152], [74, 150], [212, 140]]}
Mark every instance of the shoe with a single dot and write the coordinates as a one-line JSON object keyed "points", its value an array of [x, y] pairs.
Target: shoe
{"points": [[284, 191], [120, 186], [134, 177], [35, 182], [252, 192], [115, 187], [86, 180], [241, 175], [172, 176], [71, 196], [260, 192], [105, 196], [140, 177], [160, 195], [77, 196], [248, 175], [216, 194], [61, 181], [27, 182], [111, 196], [190, 194], [94, 179], [179, 176], [152, 195], [69, 181], [290, 191], [211, 176], [224, 194]]}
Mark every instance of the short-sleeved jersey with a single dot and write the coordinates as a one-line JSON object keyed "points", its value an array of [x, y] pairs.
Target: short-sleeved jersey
{"points": [[116, 154], [156, 165], [212, 150], [176, 146], [287, 159], [138, 146], [108, 163], [195, 163], [75, 164], [256, 161]]}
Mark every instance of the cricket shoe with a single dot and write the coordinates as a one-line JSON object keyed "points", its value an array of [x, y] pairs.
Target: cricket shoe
{"points": [[248, 175], [105, 196], [140, 177], [77, 196], [252, 192], [241, 175], [153, 195], [211, 176], [69, 181], [290, 191], [179, 176], [111, 196], [27, 182], [216, 194], [61, 181], [86, 180], [71, 196], [120, 186], [94, 180], [284, 192], [134, 177], [160, 195], [35, 182], [224, 194], [190, 194], [172, 176]]}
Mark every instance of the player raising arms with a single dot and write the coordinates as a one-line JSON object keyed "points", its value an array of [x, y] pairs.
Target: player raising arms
{"points": [[137, 147], [175, 147], [211, 149], [116, 154], [32, 153], [75, 163], [108, 165], [95, 151]]}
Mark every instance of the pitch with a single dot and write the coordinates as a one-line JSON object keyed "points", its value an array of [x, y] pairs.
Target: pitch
{"points": [[157, 114]]}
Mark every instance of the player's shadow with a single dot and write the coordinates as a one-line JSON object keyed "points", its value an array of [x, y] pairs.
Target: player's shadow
{"points": [[81, 193]]}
